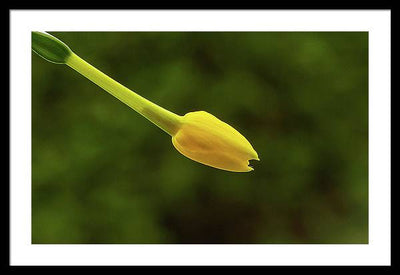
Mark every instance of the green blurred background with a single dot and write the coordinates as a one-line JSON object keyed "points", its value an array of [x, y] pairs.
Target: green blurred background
{"points": [[101, 173]]}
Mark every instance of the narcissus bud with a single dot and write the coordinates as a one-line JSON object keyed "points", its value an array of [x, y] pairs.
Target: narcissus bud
{"points": [[199, 136], [208, 140]]}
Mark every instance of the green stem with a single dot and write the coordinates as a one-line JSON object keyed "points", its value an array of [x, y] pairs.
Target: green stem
{"points": [[166, 120]]}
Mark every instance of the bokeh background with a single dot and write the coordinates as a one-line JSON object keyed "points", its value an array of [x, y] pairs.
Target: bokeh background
{"points": [[101, 173]]}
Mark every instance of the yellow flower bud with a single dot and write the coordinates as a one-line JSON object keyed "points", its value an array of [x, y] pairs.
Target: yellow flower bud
{"points": [[199, 136], [204, 138]]}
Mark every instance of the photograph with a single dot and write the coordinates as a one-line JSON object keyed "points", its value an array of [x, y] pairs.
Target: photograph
{"points": [[199, 137]]}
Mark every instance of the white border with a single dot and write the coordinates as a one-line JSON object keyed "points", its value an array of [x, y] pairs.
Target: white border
{"points": [[377, 23]]}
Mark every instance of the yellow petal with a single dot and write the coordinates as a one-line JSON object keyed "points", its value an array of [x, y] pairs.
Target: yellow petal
{"points": [[204, 138]]}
